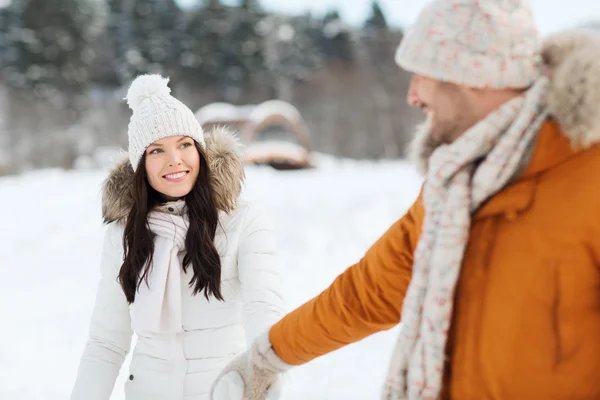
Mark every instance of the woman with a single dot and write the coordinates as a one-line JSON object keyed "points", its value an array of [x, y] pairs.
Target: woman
{"points": [[187, 265]]}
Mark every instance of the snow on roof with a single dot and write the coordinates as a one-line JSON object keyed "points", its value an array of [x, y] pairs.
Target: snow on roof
{"points": [[274, 107], [244, 111], [275, 150], [219, 112]]}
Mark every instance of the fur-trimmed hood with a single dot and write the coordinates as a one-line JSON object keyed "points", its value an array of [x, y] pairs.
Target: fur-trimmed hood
{"points": [[572, 61], [227, 175]]}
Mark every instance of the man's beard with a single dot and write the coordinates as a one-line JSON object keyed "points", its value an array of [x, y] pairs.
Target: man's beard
{"points": [[423, 144]]}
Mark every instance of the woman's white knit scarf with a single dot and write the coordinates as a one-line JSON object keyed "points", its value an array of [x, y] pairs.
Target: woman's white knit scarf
{"points": [[157, 305], [460, 178]]}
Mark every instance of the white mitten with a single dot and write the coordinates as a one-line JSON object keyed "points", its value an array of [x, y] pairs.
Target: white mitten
{"points": [[252, 375]]}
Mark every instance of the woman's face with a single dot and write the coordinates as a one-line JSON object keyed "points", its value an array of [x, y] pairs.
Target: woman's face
{"points": [[172, 166]]}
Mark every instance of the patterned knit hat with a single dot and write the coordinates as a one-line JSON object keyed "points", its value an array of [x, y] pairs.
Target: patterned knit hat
{"points": [[156, 115], [478, 43]]}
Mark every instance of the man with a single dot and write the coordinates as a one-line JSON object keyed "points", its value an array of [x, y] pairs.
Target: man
{"points": [[495, 269]]}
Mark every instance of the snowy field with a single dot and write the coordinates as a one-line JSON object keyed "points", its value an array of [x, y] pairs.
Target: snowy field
{"points": [[50, 246]]}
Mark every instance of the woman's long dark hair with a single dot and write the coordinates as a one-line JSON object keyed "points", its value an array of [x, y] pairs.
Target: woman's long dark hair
{"points": [[201, 253]]}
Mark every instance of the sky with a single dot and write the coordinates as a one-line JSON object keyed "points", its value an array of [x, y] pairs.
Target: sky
{"points": [[551, 15]]}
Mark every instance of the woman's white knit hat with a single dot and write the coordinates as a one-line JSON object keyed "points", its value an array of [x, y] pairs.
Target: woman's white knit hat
{"points": [[478, 43], [156, 115]]}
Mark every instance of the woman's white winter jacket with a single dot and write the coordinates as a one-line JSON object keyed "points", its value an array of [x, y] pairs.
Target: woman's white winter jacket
{"points": [[184, 365]]}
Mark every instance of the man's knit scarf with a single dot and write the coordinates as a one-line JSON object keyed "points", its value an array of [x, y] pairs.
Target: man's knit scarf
{"points": [[460, 177]]}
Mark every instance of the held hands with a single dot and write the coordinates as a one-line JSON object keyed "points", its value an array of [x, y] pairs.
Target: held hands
{"points": [[252, 375]]}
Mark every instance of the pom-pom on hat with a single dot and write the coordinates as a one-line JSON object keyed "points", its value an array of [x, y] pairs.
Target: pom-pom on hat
{"points": [[156, 115]]}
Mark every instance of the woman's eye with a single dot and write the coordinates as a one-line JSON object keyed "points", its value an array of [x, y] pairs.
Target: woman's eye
{"points": [[155, 151], [185, 145]]}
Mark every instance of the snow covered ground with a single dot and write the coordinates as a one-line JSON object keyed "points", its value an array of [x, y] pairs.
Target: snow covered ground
{"points": [[49, 264]]}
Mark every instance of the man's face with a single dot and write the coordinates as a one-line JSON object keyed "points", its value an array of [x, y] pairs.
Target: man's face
{"points": [[448, 106]]}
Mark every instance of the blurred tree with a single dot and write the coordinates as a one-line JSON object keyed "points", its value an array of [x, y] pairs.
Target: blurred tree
{"points": [[149, 39], [202, 55], [331, 15], [118, 37], [46, 43], [221, 48], [377, 18], [291, 52], [251, 5], [244, 55], [46, 72], [4, 23], [213, 4], [334, 38], [213, 52]]}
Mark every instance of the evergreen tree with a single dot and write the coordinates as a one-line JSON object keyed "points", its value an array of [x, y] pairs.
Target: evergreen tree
{"points": [[245, 42], [206, 55], [47, 45], [251, 5], [118, 33], [377, 19], [331, 15], [146, 36], [291, 52], [214, 4], [334, 38], [5, 24]]}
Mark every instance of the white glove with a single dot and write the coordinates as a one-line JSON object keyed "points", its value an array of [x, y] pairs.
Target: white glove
{"points": [[255, 374]]}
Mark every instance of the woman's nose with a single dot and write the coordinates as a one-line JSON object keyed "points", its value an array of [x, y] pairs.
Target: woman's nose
{"points": [[174, 158]]}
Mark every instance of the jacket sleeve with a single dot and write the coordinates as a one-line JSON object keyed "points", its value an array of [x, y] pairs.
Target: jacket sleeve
{"points": [[110, 328], [365, 299], [259, 274]]}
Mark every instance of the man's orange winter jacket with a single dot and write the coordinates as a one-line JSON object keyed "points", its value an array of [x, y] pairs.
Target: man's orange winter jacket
{"points": [[526, 321]]}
